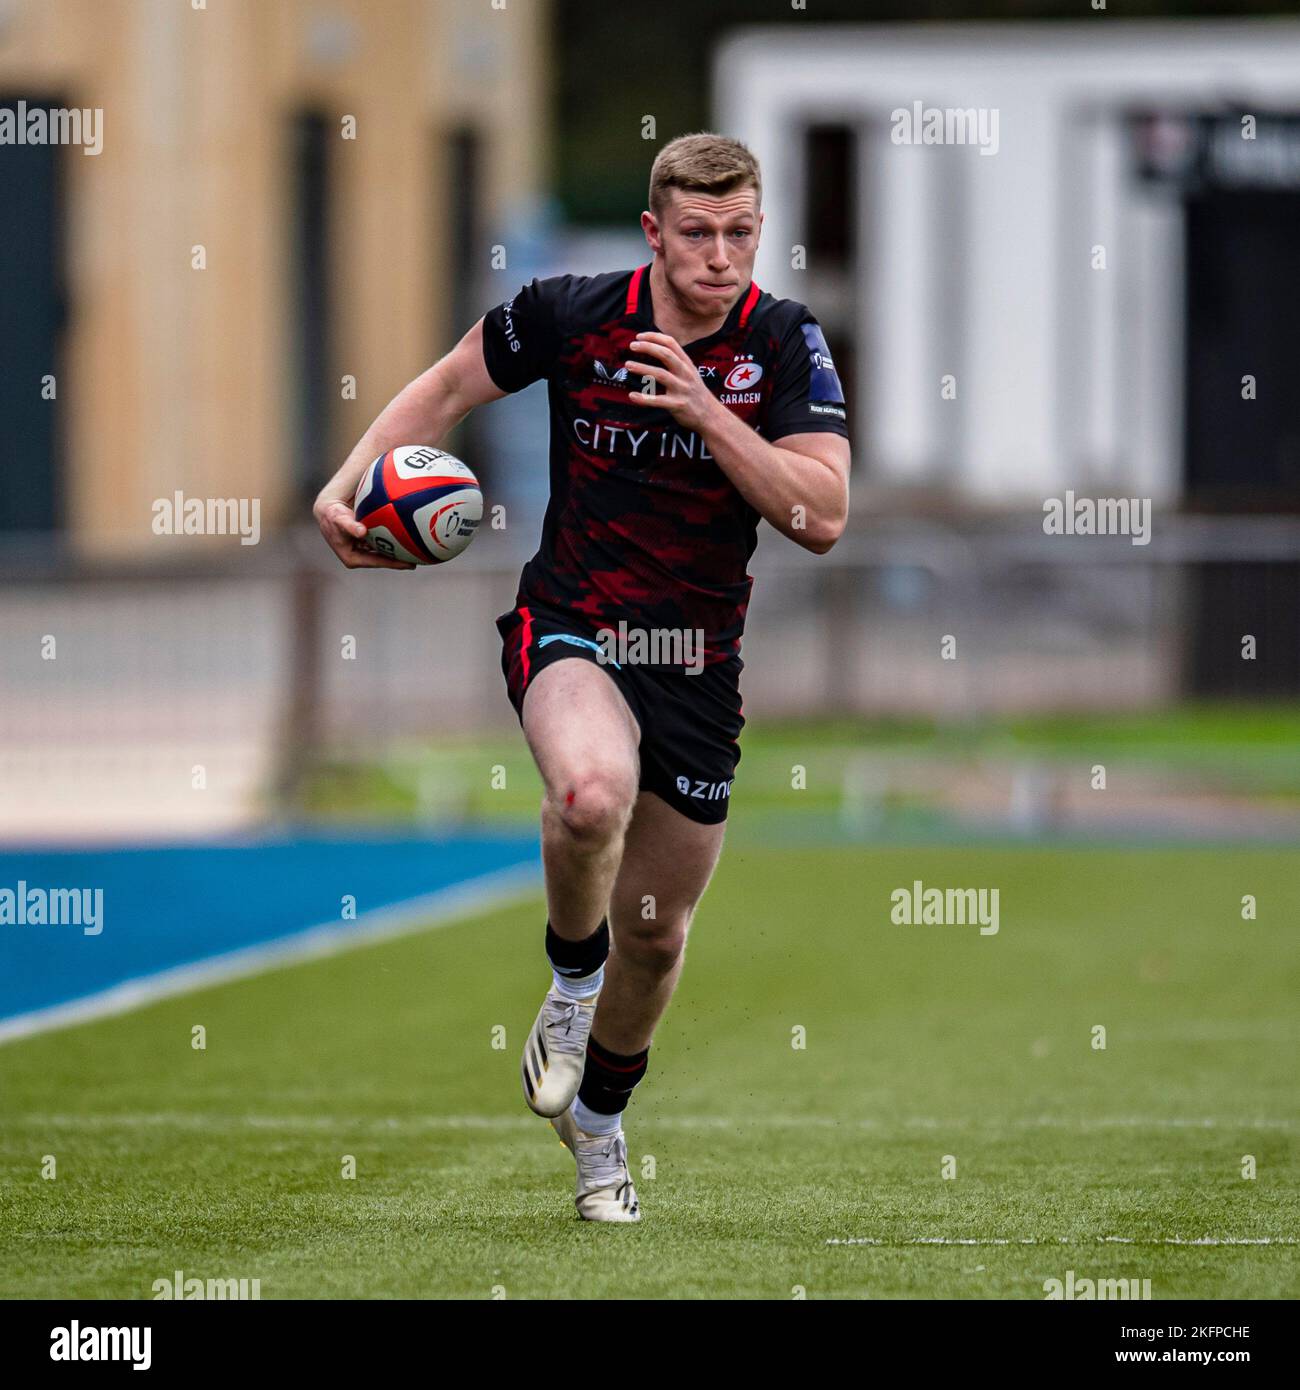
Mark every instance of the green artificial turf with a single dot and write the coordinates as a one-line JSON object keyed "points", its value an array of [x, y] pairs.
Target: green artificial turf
{"points": [[921, 1042], [1241, 750]]}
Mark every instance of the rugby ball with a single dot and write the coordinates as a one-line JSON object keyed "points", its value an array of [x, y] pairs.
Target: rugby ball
{"points": [[418, 504]]}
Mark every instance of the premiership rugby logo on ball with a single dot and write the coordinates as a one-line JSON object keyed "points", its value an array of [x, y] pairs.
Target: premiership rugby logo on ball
{"points": [[418, 504]]}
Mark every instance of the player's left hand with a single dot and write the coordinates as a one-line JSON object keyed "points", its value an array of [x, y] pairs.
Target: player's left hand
{"points": [[680, 390]]}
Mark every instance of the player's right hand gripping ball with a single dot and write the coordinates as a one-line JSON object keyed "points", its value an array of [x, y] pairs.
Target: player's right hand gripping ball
{"points": [[418, 504]]}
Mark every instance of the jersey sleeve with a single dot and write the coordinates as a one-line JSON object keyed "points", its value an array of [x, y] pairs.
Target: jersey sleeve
{"points": [[521, 338], [806, 394]]}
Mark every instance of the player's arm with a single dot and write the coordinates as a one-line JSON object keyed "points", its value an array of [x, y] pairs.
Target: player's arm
{"points": [[423, 412], [799, 484]]}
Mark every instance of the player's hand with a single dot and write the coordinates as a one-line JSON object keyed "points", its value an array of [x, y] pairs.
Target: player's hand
{"points": [[346, 536], [680, 388]]}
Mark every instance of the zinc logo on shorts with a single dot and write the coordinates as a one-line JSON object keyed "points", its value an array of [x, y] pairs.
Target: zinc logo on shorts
{"points": [[703, 789]]}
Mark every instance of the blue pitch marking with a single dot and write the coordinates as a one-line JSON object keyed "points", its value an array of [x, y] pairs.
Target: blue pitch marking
{"points": [[176, 904]]}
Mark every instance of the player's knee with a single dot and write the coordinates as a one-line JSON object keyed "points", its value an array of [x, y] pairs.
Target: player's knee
{"points": [[655, 947], [594, 805]]}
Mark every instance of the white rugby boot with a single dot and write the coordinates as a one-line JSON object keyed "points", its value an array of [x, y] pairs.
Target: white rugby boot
{"points": [[556, 1053], [605, 1191]]}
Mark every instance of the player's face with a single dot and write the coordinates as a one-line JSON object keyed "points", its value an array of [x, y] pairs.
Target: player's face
{"points": [[707, 243]]}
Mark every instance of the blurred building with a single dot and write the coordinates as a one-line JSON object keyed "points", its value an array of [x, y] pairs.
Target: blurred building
{"points": [[341, 171], [1095, 292], [1073, 223]]}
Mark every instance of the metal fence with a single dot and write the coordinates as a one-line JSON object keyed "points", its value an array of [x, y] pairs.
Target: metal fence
{"points": [[191, 694]]}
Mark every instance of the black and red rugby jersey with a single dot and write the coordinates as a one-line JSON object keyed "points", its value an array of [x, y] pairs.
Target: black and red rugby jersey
{"points": [[642, 525]]}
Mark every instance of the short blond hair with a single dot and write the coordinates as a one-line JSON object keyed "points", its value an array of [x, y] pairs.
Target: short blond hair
{"points": [[702, 163]]}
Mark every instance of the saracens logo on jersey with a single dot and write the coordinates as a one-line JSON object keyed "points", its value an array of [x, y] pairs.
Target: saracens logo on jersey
{"points": [[744, 376], [739, 383]]}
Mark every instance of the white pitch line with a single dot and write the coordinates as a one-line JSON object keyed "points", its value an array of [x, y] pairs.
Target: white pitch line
{"points": [[179, 1119], [1066, 1240], [887, 1125], [390, 1124], [475, 896], [1202, 1240]]}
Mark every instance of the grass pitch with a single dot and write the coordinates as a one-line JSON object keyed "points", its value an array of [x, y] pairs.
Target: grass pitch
{"points": [[921, 1042], [1236, 749]]}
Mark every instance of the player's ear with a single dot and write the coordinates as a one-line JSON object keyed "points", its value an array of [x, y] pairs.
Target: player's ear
{"points": [[651, 229]]}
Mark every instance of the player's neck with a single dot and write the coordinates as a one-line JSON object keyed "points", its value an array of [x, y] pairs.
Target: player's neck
{"points": [[670, 318]]}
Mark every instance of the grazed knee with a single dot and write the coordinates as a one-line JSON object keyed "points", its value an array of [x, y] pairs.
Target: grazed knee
{"points": [[594, 805]]}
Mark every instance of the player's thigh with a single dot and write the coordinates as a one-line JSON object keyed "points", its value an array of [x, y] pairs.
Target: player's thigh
{"points": [[668, 860], [580, 729]]}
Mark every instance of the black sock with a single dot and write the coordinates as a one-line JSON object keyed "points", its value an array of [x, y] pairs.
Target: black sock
{"points": [[574, 959], [609, 1078]]}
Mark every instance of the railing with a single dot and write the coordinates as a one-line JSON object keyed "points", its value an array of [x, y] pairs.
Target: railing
{"points": [[200, 684]]}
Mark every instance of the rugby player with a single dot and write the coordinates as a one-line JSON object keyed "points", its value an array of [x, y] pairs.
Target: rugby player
{"points": [[686, 406]]}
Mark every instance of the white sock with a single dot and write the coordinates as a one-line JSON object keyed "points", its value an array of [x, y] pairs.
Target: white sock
{"points": [[593, 1122], [583, 987]]}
